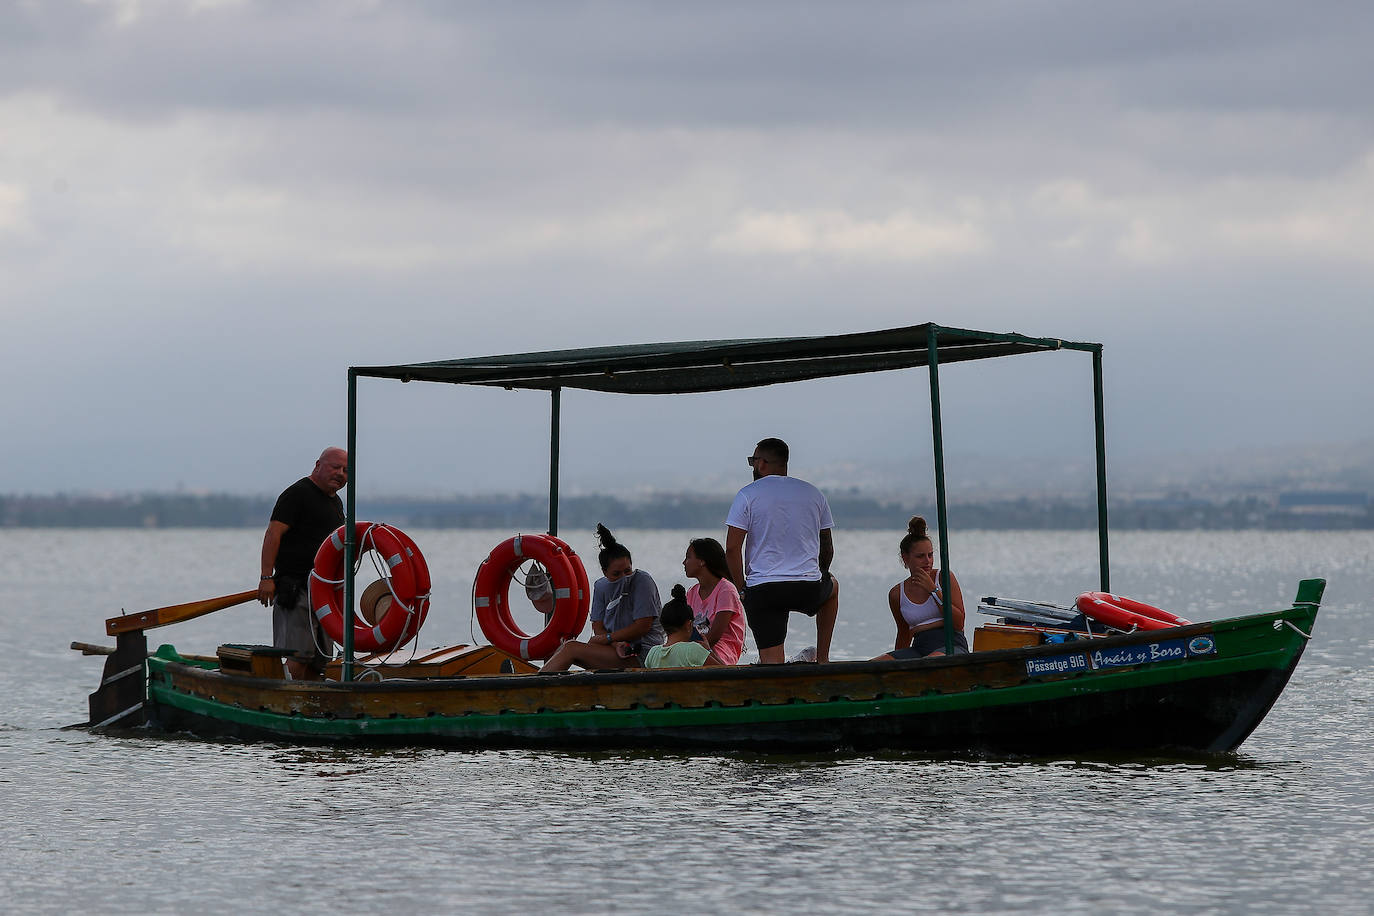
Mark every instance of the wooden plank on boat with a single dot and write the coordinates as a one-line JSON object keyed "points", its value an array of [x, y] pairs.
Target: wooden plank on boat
{"points": [[571, 692], [451, 661], [484, 661]]}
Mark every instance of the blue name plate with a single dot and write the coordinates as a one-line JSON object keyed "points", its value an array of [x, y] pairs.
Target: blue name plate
{"points": [[1163, 651], [1166, 650]]}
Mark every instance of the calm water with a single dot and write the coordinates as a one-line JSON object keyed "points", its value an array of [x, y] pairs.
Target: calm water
{"points": [[168, 825]]}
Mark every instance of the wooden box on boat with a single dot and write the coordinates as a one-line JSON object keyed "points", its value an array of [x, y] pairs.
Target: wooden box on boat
{"points": [[991, 636], [251, 661]]}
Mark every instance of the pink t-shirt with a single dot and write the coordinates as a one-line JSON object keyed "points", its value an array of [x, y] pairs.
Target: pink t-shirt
{"points": [[724, 597]]}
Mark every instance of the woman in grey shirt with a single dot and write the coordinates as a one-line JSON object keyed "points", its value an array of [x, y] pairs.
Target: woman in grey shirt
{"points": [[624, 614]]}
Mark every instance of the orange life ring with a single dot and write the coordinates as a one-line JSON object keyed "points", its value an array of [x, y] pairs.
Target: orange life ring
{"points": [[1125, 613], [572, 597], [409, 583]]}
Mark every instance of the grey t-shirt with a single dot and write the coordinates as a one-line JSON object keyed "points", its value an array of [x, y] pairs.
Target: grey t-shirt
{"points": [[620, 603]]}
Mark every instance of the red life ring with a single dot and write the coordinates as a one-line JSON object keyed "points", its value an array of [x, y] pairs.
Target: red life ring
{"points": [[584, 585], [1125, 613], [409, 583], [422, 583], [572, 597]]}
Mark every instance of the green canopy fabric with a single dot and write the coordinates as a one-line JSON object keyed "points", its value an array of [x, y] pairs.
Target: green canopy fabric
{"points": [[717, 365]]}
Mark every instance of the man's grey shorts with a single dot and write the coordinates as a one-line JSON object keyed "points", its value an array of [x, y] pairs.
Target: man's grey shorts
{"points": [[297, 629]]}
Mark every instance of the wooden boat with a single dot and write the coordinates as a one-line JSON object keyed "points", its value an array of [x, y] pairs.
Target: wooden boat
{"points": [[1199, 687]]}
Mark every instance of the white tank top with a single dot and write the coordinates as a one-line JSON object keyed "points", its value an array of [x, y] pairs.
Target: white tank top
{"points": [[915, 614]]}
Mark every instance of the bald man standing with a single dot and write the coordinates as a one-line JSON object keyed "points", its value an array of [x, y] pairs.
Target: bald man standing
{"points": [[305, 514]]}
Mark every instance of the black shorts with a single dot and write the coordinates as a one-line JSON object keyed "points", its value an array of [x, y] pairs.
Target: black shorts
{"points": [[768, 604], [932, 640]]}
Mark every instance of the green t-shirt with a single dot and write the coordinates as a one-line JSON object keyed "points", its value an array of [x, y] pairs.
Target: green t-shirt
{"points": [[678, 655]]}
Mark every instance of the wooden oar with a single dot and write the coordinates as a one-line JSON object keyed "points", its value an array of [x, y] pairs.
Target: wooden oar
{"points": [[160, 617]]}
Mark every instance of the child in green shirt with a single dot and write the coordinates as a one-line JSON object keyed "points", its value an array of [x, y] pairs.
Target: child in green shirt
{"points": [[680, 650]]}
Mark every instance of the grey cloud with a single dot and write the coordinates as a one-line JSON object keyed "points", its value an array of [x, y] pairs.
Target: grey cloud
{"points": [[404, 181], [1011, 89], [699, 63], [781, 62], [268, 56]]}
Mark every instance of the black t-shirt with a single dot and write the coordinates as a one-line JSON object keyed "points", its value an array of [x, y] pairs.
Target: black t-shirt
{"points": [[310, 515]]}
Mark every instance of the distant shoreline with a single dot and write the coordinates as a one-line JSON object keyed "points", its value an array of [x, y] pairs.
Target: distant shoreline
{"points": [[686, 511]]}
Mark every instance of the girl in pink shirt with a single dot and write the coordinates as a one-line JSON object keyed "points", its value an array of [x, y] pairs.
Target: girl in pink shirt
{"points": [[714, 601]]}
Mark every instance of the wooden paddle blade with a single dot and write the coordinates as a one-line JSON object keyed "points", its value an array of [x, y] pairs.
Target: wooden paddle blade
{"points": [[160, 617]]}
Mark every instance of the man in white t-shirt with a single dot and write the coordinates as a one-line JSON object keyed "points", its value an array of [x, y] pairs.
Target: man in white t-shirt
{"points": [[779, 548]]}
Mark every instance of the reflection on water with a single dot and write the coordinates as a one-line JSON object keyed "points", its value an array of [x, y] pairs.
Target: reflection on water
{"points": [[163, 824]]}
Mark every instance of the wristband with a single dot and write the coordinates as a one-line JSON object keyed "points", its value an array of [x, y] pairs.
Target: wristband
{"points": [[264, 578]]}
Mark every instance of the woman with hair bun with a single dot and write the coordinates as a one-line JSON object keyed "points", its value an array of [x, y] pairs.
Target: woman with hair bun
{"points": [[916, 604], [624, 614]]}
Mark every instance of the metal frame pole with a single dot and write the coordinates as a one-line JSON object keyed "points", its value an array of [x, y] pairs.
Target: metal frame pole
{"points": [[937, 439], [554, 414], [350, 514], [1100, 424]]}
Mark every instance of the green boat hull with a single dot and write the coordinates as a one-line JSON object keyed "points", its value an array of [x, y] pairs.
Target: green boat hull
{"points": [[1199, 688]]}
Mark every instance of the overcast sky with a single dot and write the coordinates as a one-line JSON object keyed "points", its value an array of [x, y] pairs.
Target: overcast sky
{"points": [[209, 210]]}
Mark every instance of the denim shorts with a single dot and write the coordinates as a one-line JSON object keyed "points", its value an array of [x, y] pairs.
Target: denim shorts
{"points": [[933, 640]]}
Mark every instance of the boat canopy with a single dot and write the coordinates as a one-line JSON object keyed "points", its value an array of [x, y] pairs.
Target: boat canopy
{"points": [[681, 367]]}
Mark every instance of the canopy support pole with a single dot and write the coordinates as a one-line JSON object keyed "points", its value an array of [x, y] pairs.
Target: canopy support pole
{"points": [[1100, 424], [350, 514], [555, 411], [938, 443]]}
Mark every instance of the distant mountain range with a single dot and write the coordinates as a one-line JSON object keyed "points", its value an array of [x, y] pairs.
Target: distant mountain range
{"points": [[1001, 475], [1296, 488]]}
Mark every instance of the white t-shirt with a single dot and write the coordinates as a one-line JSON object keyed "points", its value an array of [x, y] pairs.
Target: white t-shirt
{"points": [[782, 518]]}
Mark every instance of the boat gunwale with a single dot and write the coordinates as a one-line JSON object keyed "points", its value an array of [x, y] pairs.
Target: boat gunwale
{"points": [[787, 672]]}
